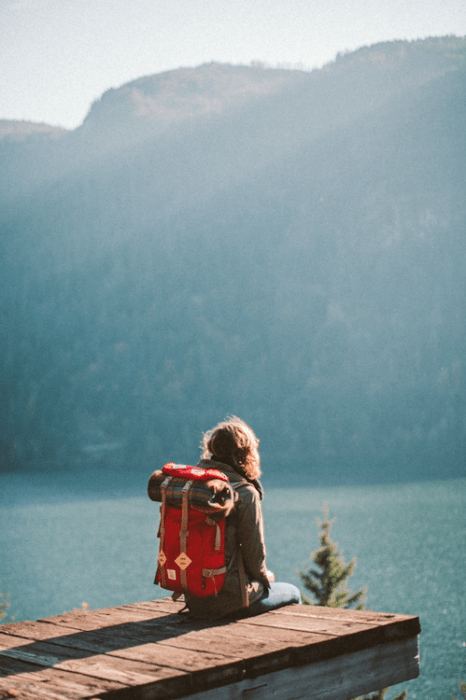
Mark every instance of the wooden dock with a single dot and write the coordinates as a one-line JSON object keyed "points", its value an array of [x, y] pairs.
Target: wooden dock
{"points": [[148, 651]]}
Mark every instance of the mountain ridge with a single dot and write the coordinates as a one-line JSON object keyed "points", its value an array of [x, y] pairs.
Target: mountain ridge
{"points": [[295, 258]]}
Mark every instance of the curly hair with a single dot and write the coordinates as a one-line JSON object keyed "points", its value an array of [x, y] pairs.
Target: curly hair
{"points": [[234, 443]]}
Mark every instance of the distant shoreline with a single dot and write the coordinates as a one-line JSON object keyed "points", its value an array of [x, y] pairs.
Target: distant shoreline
{"points": [[48, 487]]}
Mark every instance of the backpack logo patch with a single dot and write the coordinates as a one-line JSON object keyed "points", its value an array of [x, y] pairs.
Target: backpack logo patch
{"points": [[161, 558], [183, 561]]}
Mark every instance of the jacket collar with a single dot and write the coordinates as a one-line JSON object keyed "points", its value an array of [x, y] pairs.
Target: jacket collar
{"points": [[233, 476]]}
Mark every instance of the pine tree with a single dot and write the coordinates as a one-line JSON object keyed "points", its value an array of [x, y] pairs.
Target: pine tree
{"points": [[4, 605], [462, 689], [328, 584]]}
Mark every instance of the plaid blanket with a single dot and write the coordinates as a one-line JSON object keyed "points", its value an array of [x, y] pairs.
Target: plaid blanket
{"points": [[213, 496]]}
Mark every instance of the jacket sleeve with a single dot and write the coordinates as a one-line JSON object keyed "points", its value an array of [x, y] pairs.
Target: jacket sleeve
{"points": [[250, 532]]}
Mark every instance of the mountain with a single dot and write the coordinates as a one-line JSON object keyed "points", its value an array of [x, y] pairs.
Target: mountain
{"points": [[283, 245], [18, 131]]}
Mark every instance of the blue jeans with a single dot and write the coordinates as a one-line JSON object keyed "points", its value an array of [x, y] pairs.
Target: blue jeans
{"points": [[278, 595]]}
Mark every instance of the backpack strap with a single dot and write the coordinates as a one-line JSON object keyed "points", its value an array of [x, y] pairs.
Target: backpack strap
{"points": [[212, 573], [162, 558], [183, 560], [218, 533]]}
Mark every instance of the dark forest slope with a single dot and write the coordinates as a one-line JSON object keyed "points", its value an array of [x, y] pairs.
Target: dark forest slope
{"points": [[283, 245]]}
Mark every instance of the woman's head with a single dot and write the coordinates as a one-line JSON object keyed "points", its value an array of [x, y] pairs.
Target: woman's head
{"points": [[233, 442]]}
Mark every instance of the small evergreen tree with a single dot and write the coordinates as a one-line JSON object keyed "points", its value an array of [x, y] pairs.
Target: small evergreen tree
{"points": [[328, 584], [462, 689], [4, 605]]}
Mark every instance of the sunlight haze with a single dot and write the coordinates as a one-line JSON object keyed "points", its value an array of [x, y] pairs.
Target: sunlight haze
{"points": [[58, 56]]}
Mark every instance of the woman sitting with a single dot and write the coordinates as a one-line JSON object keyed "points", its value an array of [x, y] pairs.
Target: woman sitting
{"points": [[249, 588]]}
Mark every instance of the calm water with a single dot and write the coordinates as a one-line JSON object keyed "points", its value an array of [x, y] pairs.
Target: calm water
{"points": [[409, 540]]}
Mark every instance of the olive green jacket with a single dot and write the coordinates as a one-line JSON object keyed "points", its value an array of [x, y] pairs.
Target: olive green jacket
{"points": [[244, 528]]}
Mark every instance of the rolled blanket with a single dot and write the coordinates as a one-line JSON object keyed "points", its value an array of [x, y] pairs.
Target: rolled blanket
{"points": [[212, 496]]}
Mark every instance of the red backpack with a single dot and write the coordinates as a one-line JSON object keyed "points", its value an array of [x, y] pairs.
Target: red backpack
{"points": [[195, 502]]}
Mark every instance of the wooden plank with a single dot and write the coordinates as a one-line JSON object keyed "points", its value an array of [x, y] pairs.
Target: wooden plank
{"points": [[46, 683], [10, 666], [102, 618], [24, 677], [105, 639], [336, 679], [273, 635], [301, 623], [165, 604], [243, 641], [29, 693], [104, 666], [342, 638], [409, 624], [339, 613], [175, 657], [98, 677], [122, 670], [32, 631]]}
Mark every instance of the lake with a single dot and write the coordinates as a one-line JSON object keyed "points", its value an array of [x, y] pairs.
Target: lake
{"points": [[409, 540]]}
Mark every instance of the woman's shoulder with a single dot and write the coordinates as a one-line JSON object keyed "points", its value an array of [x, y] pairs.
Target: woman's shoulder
{"points": [[246, 490]]}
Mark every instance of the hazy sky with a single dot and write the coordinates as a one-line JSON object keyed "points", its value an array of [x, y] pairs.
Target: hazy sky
{"points": [[57, 56]]}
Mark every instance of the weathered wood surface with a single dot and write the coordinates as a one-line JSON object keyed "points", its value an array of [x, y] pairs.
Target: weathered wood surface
{"points": [[149, 651]]}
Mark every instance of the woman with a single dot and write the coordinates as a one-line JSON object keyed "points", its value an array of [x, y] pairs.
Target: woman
{"points": [[249, 588]]}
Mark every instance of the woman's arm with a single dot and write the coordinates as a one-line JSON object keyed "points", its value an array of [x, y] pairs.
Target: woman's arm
{"points": [[250, 531]]}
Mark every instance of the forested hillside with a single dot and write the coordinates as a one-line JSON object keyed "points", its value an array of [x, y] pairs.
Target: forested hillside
{"points": [[283, 245]]}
